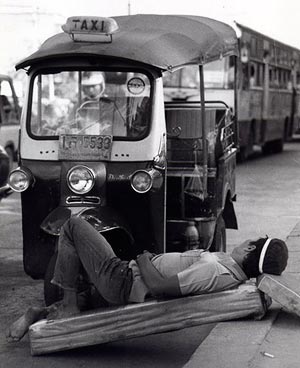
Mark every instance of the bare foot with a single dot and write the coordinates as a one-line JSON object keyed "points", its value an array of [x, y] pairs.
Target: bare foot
{"points": [[19, 328]]}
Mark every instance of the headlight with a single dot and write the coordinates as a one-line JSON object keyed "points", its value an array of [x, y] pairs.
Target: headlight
{"points": [[80, 179], [144, 180], [20, 179], [141, 181]]}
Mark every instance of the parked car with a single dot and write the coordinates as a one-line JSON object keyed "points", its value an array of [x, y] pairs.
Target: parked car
{"points": [[9, 118], [4, 171]]}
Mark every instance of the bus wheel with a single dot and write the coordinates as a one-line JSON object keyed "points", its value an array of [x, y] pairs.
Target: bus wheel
{"points": [[266, 148], [247, 151], [277, 146], [219, 241], [242, 154], [52, 293]]}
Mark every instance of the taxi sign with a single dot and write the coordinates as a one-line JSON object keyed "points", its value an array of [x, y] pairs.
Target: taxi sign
{"points": [[90, 28]]}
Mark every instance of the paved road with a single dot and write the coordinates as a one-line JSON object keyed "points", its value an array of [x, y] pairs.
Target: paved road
{"points": [[268, 203], [268, 195]]}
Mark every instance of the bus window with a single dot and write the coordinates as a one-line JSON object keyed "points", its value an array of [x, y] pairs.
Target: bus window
{"points": [[245, 76], [252, 79], [220, 73], [231, 75], [187, 77], [256, 74], [182, 84], [298, 80], [271, 78], [172, 80], [260, 74], [215, 74]]}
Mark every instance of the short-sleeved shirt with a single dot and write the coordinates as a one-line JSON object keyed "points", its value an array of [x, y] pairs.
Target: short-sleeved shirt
{"points": [[198, 272]]}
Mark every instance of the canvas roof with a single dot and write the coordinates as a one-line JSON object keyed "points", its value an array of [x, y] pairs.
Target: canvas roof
{"points": [[162, 41]]}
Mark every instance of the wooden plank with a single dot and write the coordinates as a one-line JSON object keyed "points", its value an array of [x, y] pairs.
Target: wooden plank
{"points": [[133, 320], [285, 289]]}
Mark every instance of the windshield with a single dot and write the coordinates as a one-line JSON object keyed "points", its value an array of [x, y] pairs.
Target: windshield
{"points": [[90, 103], [219, 74]]}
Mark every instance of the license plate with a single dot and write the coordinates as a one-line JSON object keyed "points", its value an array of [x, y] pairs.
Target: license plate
{"points": [[84, 147]]}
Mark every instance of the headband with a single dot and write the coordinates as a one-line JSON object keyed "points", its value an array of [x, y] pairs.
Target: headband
{"points": [[262, 255]]}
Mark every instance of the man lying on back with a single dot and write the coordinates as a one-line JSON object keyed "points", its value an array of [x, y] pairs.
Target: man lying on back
{"points": [[165, 275]]}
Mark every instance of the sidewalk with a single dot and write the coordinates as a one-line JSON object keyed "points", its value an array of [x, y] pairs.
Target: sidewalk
{"points": [[273, 342]]}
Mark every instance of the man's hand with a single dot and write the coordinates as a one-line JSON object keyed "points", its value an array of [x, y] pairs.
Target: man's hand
{"points": [[146, 255], [156, 283]]}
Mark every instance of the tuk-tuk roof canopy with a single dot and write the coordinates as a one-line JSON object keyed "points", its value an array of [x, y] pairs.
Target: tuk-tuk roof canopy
{"points": [[161, 41]]}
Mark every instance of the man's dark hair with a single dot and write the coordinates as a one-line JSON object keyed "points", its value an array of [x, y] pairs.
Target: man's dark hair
{"points": [[275, 259]]}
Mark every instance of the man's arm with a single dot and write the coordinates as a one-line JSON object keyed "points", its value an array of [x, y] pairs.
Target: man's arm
{"points": [[157, 284]]}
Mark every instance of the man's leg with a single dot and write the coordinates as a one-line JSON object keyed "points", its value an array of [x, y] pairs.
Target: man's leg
{"points": [[66, 274], [80, 243], [111, 276], [77, 236]]}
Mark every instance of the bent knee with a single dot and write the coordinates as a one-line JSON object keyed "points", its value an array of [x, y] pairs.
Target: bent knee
{"points": [[73, 224], [78, 225], [75, 221]]}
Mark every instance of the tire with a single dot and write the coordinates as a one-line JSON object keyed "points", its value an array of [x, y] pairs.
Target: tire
{"points": [[247, 151], [219, 241], [266, 148], [242, 155], [278, 146], [275, 146], [52, 293]]}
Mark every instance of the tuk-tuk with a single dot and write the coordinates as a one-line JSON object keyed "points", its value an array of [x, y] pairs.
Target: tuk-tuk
{"points": [[98, 139]]}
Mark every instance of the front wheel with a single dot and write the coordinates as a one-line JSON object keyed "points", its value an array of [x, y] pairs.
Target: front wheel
{"points": [[219, 241]]}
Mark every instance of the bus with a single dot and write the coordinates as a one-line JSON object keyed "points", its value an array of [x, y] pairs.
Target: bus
{"points": [[267, 100]]}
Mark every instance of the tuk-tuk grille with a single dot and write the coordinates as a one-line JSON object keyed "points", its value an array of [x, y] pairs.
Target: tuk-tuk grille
{"points": [[83, 200]]}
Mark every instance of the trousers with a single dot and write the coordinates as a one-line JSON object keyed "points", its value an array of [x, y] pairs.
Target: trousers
{"points": [[80, 245]]}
